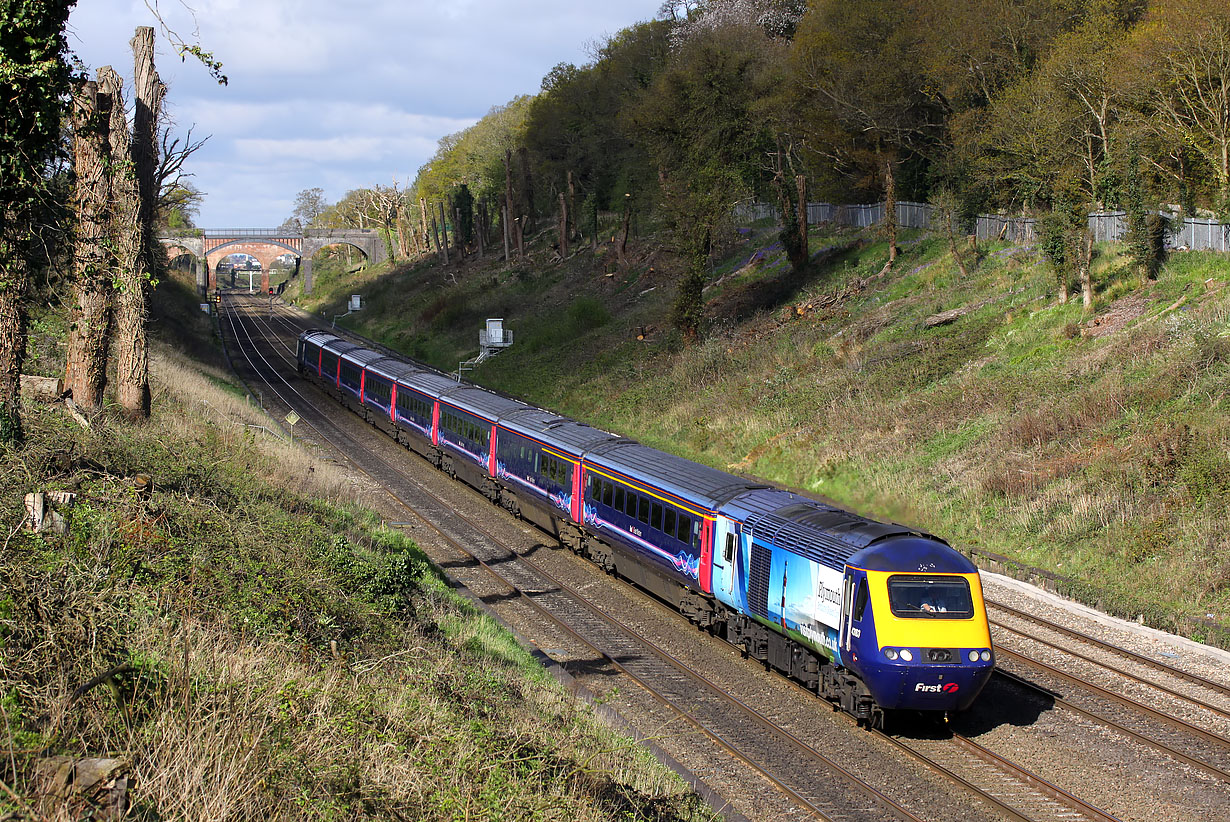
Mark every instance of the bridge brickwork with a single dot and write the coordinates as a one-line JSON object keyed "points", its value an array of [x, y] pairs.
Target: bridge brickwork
{"points": [[210, 247]]}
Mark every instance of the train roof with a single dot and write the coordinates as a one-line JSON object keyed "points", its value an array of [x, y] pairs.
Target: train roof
{"points": [[339, 346], [913, 553], [478, 401], [562, 432], [816, 530], [318, 337], [683, 478], [431, 383], [392, 368], [362, 356]]}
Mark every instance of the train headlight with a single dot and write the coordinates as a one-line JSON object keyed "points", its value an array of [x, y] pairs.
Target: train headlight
{"points": [[973, 656], [986, 656], [891, 653], [907, 654]]}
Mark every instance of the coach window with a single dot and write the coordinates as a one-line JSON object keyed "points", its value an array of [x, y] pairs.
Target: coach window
{"points": [[619, 498], [860, 600], [730, 547], [668, 526], [643, 514], [684, 533], [656, 521], [608, 490], [630, 504]]}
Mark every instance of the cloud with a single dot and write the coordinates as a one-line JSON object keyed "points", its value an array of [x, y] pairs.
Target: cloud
{"points": [[340, 95]]}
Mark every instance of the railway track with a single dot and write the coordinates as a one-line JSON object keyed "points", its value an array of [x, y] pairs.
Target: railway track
{"points": [[805, 775], [1009, 791]]}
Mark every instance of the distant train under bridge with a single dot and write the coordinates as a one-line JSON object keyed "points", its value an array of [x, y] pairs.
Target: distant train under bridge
{"points": [[210, 247]]}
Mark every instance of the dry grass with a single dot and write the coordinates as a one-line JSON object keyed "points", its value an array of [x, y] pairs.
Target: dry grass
{"points": [[271, 655]]}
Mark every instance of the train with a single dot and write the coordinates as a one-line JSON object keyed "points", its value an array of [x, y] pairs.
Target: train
{"points": [[876, 618]]}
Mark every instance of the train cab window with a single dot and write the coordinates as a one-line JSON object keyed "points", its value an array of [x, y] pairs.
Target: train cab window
{"points": [[915, 596], [685, 529], [619, 498], [655, 519], [668, 524], [860, 600], [643, 513]]}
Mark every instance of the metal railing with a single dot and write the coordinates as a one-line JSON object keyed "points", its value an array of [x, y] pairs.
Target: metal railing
{"points": [[1192, 233], [236, 233]]}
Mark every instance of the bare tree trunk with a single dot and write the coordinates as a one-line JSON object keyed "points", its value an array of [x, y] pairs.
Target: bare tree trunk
{"points": [[800, 181], [952, 246], [435, 236], [623, 240], [1086, 259], [14, 281], [509, 208], [444, 232], [481, 229], [527, 189], [423, 223], [86, 372], [132, 362], [572, 206], [504, 225], [457, 239], [519, 226], [403, 236], [563, 224], [890, 209]]}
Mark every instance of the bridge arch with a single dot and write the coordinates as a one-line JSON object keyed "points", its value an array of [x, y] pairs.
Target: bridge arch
{"points": [[209, 246], [266, 250]]}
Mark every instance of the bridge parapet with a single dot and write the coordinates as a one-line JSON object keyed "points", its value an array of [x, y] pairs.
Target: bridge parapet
{"points": [[210, 245]]}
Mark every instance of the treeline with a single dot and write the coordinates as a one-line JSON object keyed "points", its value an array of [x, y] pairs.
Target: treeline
{"points": [[1053, 107]]}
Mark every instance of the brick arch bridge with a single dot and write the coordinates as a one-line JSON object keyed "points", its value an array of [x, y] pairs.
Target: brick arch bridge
{"points": [[211, 246]]}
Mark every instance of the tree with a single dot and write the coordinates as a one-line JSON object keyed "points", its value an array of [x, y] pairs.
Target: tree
{"points": [[860, 64], [89, 315], [34, 84], [310, 206], [1187, 43], [141, 256], [178, 206], [699, 123]]}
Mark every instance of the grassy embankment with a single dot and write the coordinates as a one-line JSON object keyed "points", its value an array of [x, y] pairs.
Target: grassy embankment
{"points": [[275, 653], [1092, 446]]}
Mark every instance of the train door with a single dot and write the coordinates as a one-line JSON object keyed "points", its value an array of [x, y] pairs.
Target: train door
{"points": [[726, 558], [847, 606], [857, 626]]}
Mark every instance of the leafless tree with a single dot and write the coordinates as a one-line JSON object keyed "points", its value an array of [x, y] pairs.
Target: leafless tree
{"points": [[89, 316], [138, 263]]}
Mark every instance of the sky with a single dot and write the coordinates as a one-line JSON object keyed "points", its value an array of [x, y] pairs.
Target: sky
{"points": [[337, 94]]}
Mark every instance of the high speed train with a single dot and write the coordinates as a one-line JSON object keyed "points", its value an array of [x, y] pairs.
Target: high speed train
{"points": [[872, 616]]}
